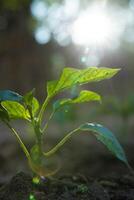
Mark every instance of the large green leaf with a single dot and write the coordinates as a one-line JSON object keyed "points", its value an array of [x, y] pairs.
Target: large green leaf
{"points": [[9, 95], [72, 76], [107, 138], [15, 110], [101, 133], [84, 96]]}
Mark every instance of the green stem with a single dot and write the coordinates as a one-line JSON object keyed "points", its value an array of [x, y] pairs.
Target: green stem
{"points": [[40, 116], [38, 134], [47, 123], [19, 140], [60, 144]]}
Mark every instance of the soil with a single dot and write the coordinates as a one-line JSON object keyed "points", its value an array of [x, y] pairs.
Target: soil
{"points": [[77, 187]]}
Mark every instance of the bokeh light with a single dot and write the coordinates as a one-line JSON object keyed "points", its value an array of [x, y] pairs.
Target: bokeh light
{"points": [[32, 197], [42, 35], [39, 9], [99, 25], [131, 4], [93, 27]]}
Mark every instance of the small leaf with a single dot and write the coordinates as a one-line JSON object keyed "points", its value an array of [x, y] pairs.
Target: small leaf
{"points": [[35, 106], [51, 87], [28, 97], [84, 96], [15, 110], [107, 138], [72, 76], [10, 96], [31, 102]]}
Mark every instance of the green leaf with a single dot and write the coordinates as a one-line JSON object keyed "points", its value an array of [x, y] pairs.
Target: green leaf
{"points": [[15, 110], [10, 96], [31, 103], [84, 96], [72, 76], [28, 97], [107, 138], [101, 133], [35, 106], [51, 87]]}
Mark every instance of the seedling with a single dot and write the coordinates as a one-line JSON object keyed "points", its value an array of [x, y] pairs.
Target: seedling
{"points": [[14, 106]]}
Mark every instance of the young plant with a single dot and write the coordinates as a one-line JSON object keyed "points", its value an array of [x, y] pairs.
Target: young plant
{"points": [[14, 106]]}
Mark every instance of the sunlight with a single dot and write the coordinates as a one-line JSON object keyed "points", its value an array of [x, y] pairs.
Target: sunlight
{"points": [[93, 27], [39, 9], [42, 35]]}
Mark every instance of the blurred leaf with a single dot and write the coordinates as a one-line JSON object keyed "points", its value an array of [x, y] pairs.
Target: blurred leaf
{"points": [[110, 105], [127, 106], [14, 4], [65, 114], [72, 76], [107, 138], [121, 107], [84, 96], [15, 110], [9, 95]]}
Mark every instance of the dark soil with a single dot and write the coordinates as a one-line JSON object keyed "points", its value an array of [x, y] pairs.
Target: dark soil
{"points": [[78, 187]]}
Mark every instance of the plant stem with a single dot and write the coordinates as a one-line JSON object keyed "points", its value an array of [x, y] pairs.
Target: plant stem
{"points": [[19, 140], [40, 116], [38, 134], [61, 143], [46, 125]]}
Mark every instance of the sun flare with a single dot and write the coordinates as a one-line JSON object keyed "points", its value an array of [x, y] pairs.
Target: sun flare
{"points": [[93, 27]]}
